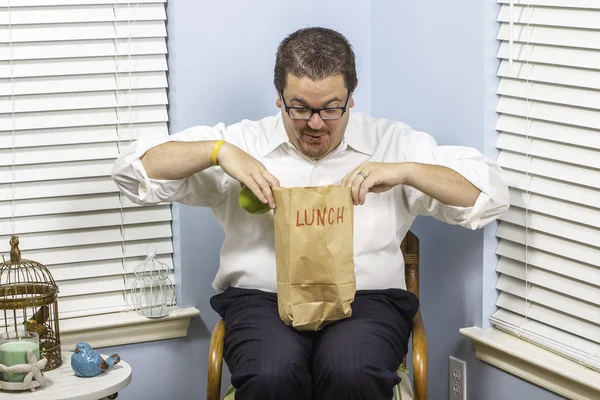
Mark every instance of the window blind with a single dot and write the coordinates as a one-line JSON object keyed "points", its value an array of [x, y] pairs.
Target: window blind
{"points": [[549, 141], [79, 80]]}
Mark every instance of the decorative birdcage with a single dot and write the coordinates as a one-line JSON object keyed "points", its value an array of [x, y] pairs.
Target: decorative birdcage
{"points": [[153, 292], [28, 302]]}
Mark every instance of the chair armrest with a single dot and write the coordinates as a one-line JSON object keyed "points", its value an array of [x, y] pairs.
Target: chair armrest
{"points": [[215, 362], [419, 343]]}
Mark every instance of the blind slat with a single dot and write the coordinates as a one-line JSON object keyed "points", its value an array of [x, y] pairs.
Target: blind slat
{"points": [[95, 252], [551, 262], [546, 130], [551, 244], [81, 31], [562, 56], [576, 18], [584, 78], [98, 285], [579, 117], [86, 134], [591, 4], [551, 169], [32, 3], [81, 13], [555, 189], [83, 101], [546, 205], [63, 170], [570, 346], [81, 66], [77, 49], [71, 187], [558, 227], [552, 36], [83, 83], [551, 150], [555, 282], [559, 302], [550, 317], [101, 268], [99, 303], [97, 219], [90, 236], [66, 153], [81, 118], [563, 95], [62, 205]]}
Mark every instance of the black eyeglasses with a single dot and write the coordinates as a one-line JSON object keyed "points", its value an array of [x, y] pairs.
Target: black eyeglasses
{"points": [[305, 113]]}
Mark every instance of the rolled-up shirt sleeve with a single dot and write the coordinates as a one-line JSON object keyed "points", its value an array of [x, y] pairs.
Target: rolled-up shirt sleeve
{"points": [[205, 188], [485, 174]]}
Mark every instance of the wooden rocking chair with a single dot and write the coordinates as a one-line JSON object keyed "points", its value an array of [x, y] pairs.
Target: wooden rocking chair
{"points": [[410, 250]]}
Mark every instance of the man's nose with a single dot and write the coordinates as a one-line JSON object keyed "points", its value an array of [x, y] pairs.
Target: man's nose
{"points": [[315, 121]]}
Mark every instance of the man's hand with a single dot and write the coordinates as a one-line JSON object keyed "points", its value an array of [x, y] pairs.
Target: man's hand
{"points": [[248, 171], [439, 182], [372, 177]]}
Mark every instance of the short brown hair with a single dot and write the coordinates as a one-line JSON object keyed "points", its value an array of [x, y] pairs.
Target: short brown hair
{"points": [[316, 53]]}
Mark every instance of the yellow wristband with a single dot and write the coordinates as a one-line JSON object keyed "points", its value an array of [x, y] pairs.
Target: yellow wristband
{"points": [[215, 151]]}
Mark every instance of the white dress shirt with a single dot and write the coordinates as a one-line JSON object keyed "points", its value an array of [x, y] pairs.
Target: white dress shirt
{"points": [[248, 252]]}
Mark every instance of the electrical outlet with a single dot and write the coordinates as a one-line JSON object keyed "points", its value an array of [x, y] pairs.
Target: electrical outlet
{"points": [[457, 379]]}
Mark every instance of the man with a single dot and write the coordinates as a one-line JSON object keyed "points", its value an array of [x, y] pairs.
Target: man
{"points": [[395, 174]]}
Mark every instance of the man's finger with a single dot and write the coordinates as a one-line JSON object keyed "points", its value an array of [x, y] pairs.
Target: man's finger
{"points": [[274, 182], [345, 180], [252, 185], [366, 185], [356, 184], [349, 179], [265, 188]]}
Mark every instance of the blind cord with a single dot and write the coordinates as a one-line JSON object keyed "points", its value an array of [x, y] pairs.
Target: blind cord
{"points": [[511, 24], [12, 122], [130, 24], [528, 122]]}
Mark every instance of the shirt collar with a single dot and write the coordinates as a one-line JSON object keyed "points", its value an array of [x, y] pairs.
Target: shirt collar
{"points": [[353, 137], [357, 136], [276, 138]]}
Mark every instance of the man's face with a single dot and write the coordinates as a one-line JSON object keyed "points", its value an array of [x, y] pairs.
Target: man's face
{"points": [[315, 137]]}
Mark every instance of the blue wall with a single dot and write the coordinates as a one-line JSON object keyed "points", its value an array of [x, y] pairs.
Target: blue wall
{"points": [[434, 67], [427, 72], [430, 64], [221, 59]]}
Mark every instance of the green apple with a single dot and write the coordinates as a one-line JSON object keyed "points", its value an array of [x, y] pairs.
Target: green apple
{"points": [[249, 202]]}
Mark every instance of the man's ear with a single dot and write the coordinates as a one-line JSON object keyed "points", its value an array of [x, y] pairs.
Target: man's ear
{"points": [[278, 101], [351, 101]]}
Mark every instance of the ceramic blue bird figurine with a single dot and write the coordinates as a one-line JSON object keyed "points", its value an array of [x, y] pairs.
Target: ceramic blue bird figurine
{"points": [[87, 362]]}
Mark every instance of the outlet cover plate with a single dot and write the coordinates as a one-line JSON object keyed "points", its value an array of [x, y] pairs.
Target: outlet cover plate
{"points": [[457, 379]]}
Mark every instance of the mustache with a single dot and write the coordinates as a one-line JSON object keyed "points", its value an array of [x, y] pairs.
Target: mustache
{"points": [[313, 132]]}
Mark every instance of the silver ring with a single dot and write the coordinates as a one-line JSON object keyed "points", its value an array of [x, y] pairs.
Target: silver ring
{"points": [[363, 175]]}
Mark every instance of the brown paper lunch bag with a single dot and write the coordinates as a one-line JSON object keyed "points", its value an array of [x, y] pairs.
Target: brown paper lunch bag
{"points": [[314, 247]]}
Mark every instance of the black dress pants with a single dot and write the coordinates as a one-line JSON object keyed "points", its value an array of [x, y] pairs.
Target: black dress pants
{"points": [[355, 358]]}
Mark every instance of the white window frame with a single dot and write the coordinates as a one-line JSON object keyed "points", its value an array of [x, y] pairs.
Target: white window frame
{"points": [[512, 353], [59, 29]]}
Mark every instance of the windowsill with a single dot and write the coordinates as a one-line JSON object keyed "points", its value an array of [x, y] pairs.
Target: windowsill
{"points": [[534, 364], [124, 328]]}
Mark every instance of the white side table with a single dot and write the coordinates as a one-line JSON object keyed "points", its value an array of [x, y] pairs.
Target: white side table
{"points": [[63, 384]]}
